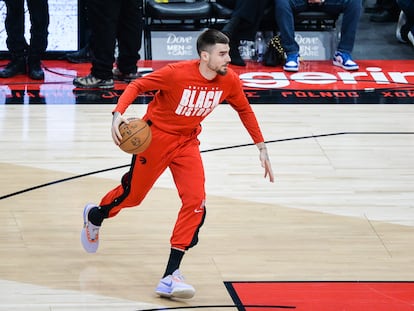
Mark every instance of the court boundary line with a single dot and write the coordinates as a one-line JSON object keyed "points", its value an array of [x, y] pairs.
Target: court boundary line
{"points": [[203, 151]]}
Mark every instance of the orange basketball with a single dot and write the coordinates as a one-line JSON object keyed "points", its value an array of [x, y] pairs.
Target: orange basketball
{"points": [[136, 136]]}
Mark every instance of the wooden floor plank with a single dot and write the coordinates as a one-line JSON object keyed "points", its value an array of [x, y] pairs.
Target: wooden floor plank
{"points": [[340, 209]]}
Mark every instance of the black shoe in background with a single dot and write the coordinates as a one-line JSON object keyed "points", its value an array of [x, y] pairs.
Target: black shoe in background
{"points": [[126, 77], [373, 9], [235, 56], [81, 56], [36, 71], [384, 17], [14, 67]]}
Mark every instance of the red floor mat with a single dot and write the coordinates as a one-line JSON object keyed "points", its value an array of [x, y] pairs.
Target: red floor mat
{"points": [[318, 82], [323, 296]]}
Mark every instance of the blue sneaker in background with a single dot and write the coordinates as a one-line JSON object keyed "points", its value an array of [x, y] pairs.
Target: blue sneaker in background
{"points": [[345, 61], [292, 62]]}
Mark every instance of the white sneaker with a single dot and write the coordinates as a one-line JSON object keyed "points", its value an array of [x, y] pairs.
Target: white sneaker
{"points": [[411, 38], [402, 20], [90, 232], [173, 286]]}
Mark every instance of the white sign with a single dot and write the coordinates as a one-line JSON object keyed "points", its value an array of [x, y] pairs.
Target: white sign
{"points": [[316, 45], [174, 45], [63, 25]]}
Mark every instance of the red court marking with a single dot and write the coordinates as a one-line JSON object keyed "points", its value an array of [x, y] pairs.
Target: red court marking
{"points": [[326, 296]]}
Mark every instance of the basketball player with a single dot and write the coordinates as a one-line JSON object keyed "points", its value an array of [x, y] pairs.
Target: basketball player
{"points": [[187, 92]]}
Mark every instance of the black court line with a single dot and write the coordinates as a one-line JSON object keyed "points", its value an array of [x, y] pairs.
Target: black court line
{"points": [[220, 307], [204, 151]]}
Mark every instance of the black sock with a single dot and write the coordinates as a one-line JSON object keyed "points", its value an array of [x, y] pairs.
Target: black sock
{"points": [[96, 216], [174, 261]]}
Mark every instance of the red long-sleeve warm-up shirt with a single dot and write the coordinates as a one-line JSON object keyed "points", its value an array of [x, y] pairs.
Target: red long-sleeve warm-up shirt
{"points": [[184, 98]]}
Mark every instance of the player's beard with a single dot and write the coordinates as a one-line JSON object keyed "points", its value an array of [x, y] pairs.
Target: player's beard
{"points": [[222, 70]]}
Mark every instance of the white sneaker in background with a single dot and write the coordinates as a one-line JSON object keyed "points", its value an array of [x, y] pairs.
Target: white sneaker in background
{"points": [[402, 20], [411, 37]]}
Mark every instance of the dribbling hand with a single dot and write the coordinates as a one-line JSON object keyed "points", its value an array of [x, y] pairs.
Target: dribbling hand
{"points": [[117, 119]]}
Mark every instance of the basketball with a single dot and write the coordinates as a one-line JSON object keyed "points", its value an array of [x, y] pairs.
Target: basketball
{"points": [[136, 136]]}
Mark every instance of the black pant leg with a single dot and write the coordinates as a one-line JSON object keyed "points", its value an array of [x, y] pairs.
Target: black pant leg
{"points": [[129, 35], [14, 24], [103, 18], [250, 11], [39, 19]]}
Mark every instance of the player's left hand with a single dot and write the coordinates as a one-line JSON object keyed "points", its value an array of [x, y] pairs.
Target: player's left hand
{"points": [[264, 159]]}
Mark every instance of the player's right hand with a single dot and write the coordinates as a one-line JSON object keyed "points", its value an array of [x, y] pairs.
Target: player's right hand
{"points": [[117, 119]]}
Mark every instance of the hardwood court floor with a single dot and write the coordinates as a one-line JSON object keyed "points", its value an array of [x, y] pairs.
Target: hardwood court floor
{"points": [[341, 207]]}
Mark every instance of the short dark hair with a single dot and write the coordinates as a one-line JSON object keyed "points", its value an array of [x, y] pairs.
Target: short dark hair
{"points": [[209, 38]]}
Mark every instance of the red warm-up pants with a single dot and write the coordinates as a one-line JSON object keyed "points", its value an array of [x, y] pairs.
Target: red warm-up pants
{"points": [[181, 154]]}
